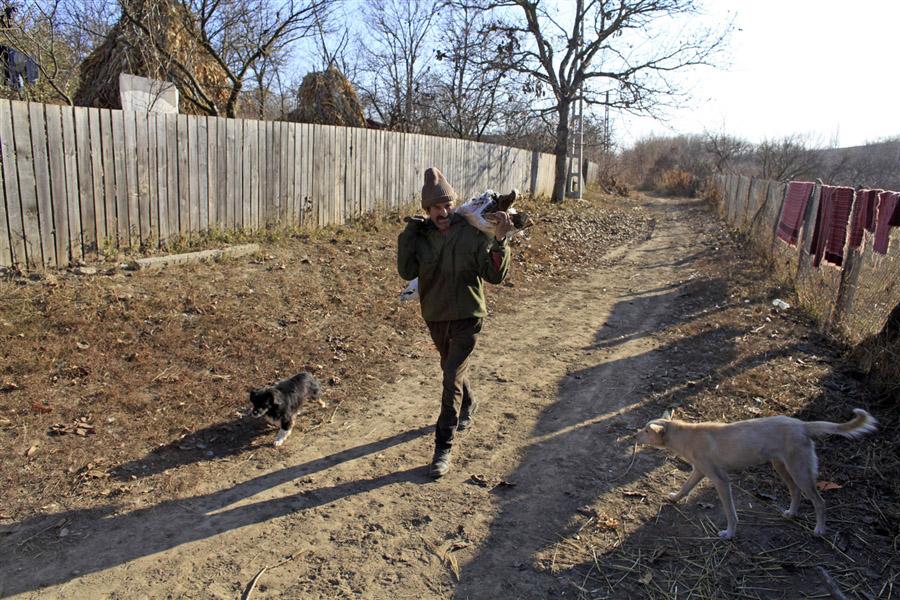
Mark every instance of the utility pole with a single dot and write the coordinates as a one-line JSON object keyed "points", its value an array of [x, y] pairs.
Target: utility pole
{"points": [[575, 179], [606, 126]]}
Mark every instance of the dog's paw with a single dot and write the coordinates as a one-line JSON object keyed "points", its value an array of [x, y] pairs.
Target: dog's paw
{"points": [[673, 497], [726, 534], [788, 514], [819, 530], [282, 435]]}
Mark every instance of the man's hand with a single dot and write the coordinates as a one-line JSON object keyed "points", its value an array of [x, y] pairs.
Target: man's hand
{"points": [[502, 224], [415, 223]]}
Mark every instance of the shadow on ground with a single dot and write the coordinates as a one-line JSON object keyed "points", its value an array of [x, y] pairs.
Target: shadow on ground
{"points": [[115, 539]]}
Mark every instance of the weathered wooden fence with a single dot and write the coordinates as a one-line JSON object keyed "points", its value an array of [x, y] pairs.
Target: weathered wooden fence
{"points": [[856, 299], [77, 180]]}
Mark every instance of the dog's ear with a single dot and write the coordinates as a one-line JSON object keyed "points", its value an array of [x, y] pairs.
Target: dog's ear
{"points": [[657, 429]]}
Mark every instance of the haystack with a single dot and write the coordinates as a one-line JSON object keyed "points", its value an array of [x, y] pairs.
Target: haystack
{"points": [[328, 98], [127, 50]]}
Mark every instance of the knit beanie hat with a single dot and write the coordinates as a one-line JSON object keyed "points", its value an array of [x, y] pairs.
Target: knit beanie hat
{"points": [[436, 188]]}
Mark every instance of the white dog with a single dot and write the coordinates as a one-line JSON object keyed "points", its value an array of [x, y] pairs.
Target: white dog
{"points": [[714, 449]]}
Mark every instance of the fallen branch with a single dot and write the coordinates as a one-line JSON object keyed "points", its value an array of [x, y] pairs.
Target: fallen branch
{"points": [[250, 586], [830, 584], [631, 464]]}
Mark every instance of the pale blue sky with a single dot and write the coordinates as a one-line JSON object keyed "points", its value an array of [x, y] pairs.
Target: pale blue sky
{"points": [[824, 68]]}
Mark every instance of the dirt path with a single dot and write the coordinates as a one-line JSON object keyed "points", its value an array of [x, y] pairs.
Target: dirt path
{"points": [[561, 379]]}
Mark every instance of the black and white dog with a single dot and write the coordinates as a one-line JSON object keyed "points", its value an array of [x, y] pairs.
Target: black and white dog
{"points": [[279, 402]]}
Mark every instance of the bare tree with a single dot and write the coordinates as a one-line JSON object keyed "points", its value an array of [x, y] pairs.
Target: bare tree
{"points": [[619, 47], [398, 59], [473, 90], [788, 158], [726, 151]]}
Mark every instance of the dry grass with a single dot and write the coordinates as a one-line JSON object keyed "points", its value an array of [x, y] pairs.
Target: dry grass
{"points": [[328, 98]]}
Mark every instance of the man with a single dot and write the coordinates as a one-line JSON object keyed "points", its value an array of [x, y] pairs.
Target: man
{"points": [[451, 259]]}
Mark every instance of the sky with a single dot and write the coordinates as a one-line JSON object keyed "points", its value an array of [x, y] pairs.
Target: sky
{"points": [[820, 68]]}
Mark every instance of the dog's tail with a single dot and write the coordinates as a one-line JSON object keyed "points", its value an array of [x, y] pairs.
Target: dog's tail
{"points": [[862, 423]]}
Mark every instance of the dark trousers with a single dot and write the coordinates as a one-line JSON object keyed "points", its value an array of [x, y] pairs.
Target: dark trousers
{"points": [[455, 341]]}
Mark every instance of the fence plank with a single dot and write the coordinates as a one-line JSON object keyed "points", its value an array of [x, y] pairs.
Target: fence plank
{"points": [[28, 195], [85, 181], [158, 201], [184, 177], [11, 186], [361, 170], [6, 257], [338, 174], [193, 176], [246, 147], [142, 146], [375, 169], [158, 122], [97, 176], [276, 173], [172, 187], [290, 173], [316, 168], [328, 195], [264, 152], [284, 179], [57, 183], [305, 178], [222, 172], [42, 182], [108, 170], [230, 166], [132, 183], [353, 173], [119, 152], [212, 171], [251, 170], [237, 175], [72, 197], [202, 173], [295, 174]]}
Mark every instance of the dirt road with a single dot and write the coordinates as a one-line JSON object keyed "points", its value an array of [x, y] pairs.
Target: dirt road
{"points": [[561, 379]]}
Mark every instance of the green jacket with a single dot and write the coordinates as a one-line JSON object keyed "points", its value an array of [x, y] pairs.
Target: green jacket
{"points": [[451, 267]]}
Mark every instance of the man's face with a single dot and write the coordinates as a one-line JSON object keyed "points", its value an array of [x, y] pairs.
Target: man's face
{"points": [[440, 214]]}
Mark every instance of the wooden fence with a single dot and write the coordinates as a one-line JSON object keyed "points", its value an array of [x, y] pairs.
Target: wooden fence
{"points": [[855, 299], [78, 180]]}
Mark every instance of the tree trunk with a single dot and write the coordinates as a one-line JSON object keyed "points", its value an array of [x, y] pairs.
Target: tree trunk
{"points": [[233, 97], [560, 150]]}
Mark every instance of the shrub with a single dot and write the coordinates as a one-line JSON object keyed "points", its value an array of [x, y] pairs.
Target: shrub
{"points": [[678, 182]]}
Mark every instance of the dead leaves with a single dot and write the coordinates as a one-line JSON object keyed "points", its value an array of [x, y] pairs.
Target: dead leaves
{"points": [[80, 427]]}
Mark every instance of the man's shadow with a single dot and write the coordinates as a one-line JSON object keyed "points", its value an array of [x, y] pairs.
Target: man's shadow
{"points": [[109, 539]]}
